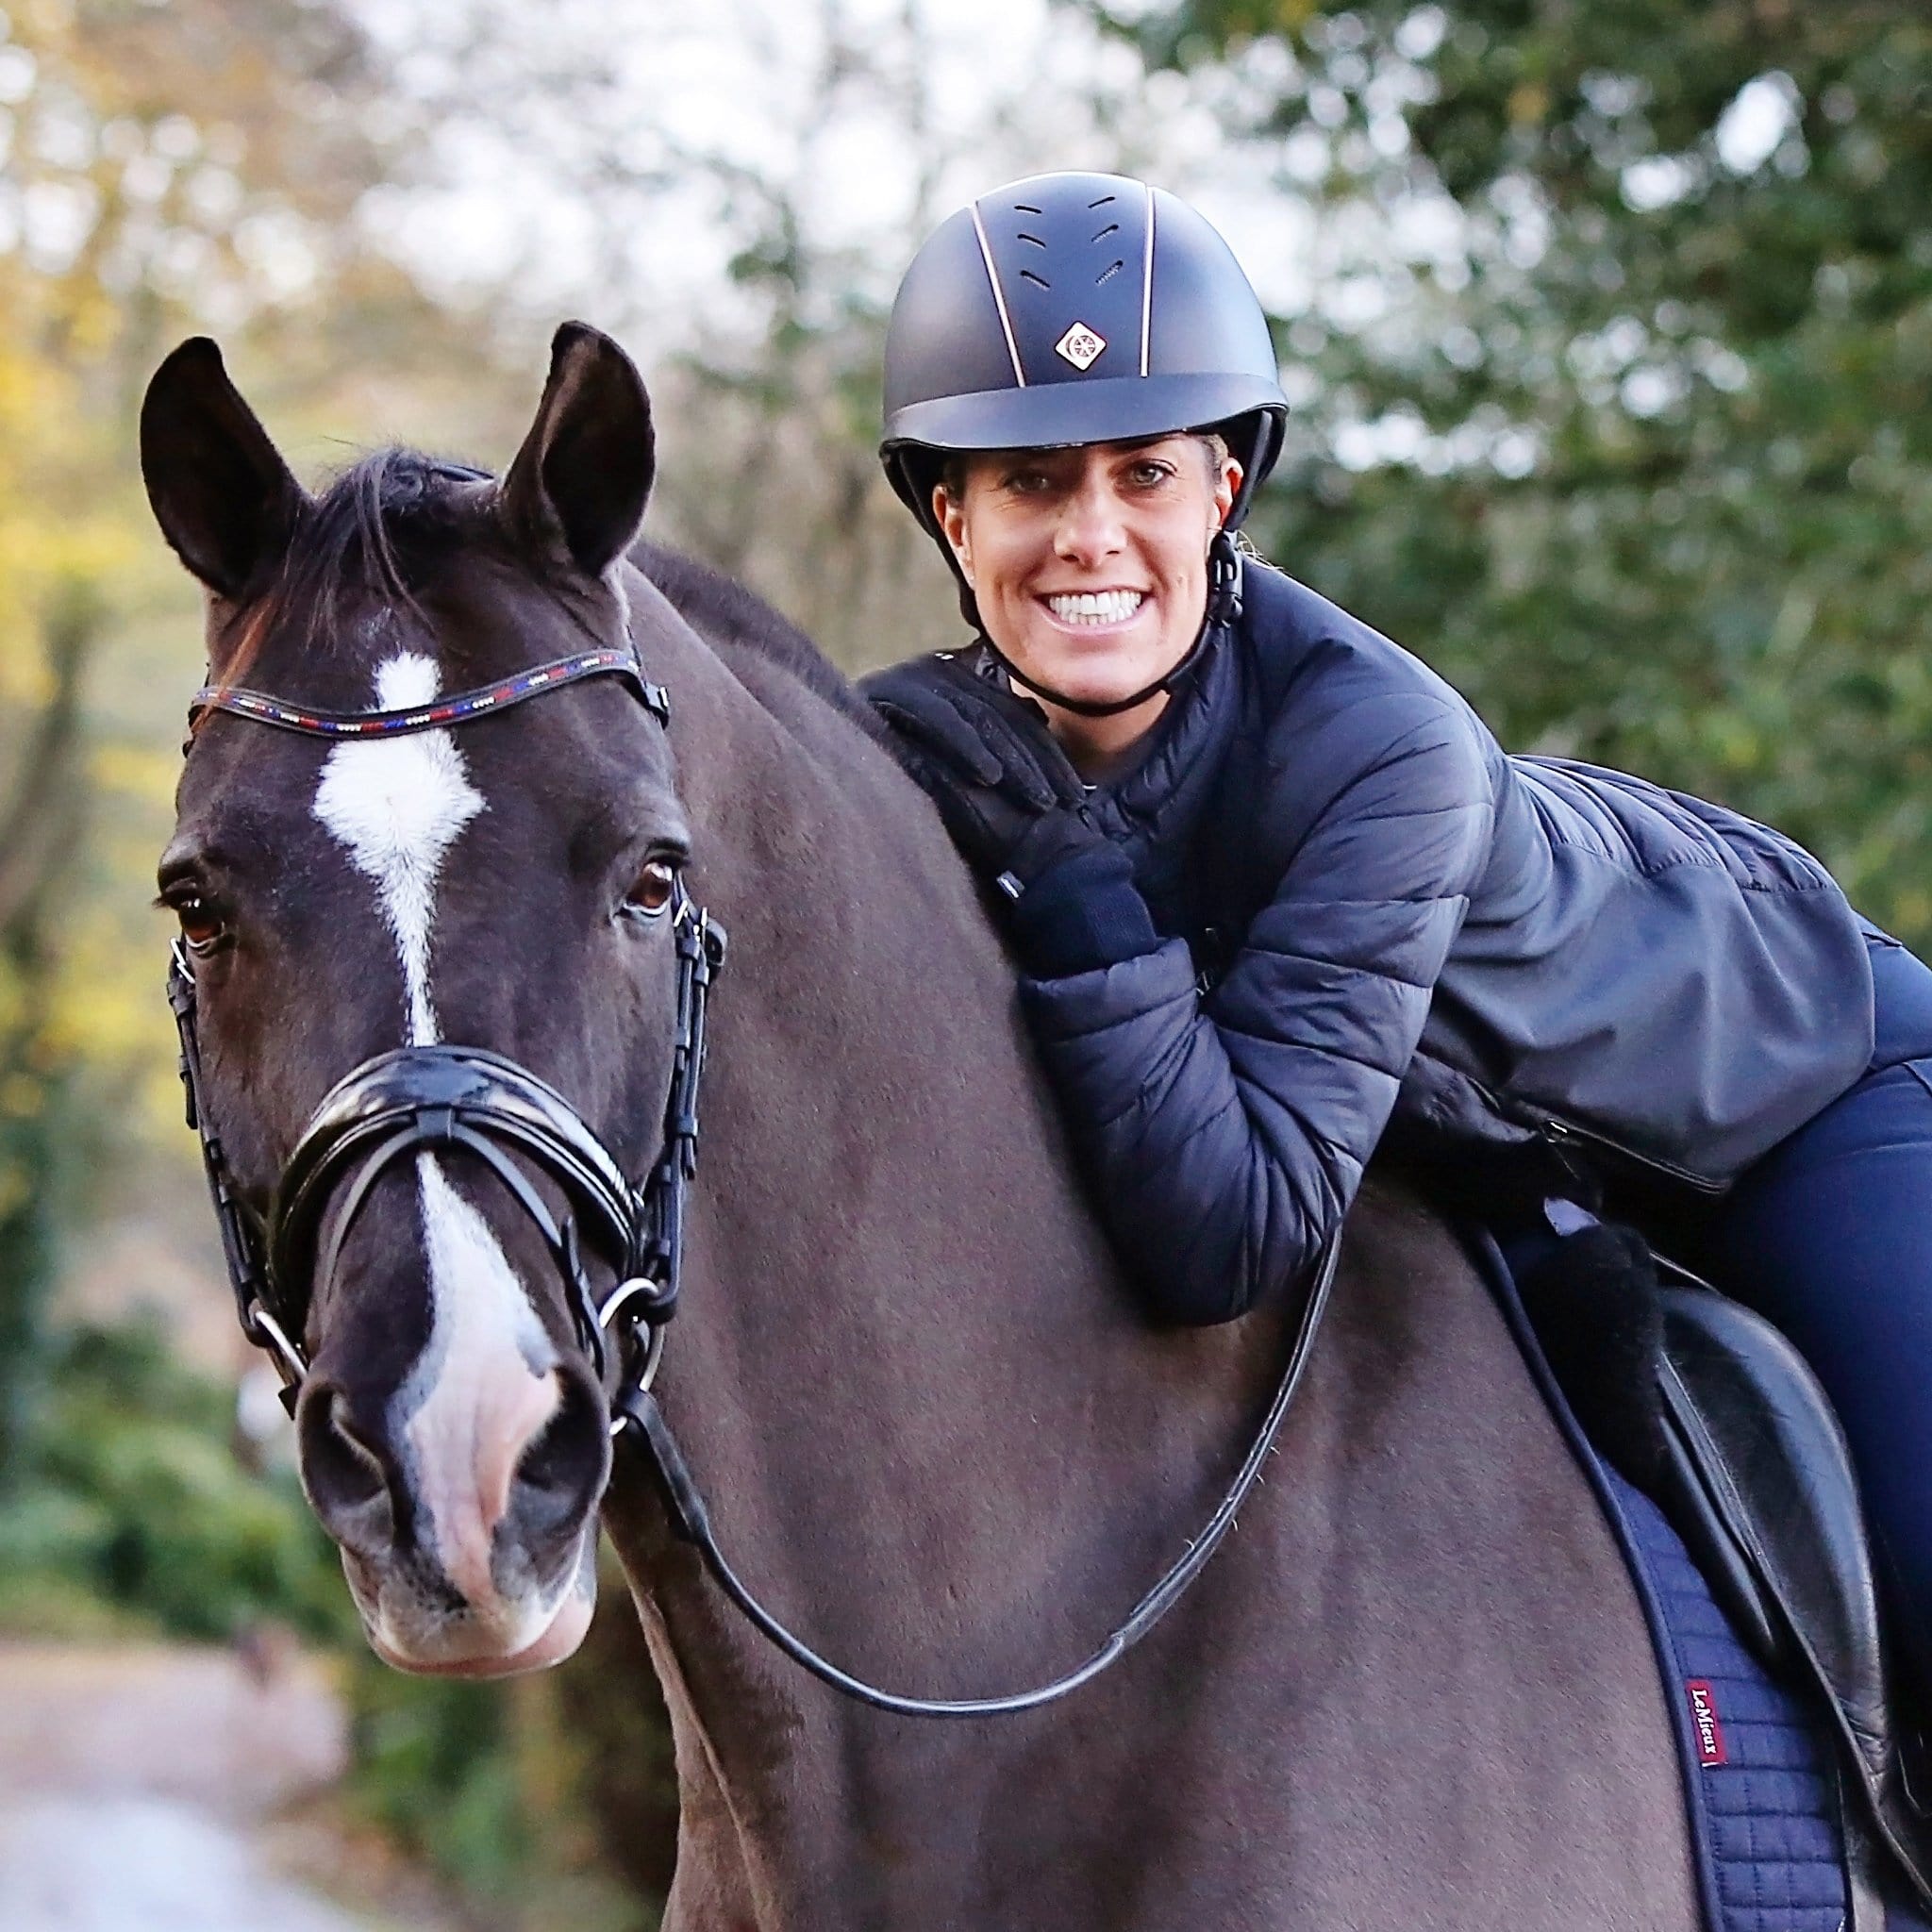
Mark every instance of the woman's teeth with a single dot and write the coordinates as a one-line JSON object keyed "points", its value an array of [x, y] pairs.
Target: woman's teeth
{"points": [[1097, 606]]}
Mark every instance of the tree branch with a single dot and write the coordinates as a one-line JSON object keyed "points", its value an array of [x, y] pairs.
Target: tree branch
{"points": [[37, 819]]}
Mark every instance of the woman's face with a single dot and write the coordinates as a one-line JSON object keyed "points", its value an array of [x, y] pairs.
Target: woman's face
{"points": [[1090, 566]]}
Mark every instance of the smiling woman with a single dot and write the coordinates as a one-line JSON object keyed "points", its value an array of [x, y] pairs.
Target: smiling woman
{"points": [[1278, 890], [1090, 566]]}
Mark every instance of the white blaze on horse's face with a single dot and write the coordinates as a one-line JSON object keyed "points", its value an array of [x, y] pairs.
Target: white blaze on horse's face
{"points": [[484, 1386], [398, 805], [479, 1393]]}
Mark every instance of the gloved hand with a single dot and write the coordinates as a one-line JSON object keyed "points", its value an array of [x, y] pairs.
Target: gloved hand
{"points": [[1010, 800]]}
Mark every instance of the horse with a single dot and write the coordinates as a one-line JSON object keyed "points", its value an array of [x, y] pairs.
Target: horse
{"points": [[1414, 1688]]}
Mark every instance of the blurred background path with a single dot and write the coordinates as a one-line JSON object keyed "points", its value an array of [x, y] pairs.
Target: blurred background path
{"points": [[140, 1788]]}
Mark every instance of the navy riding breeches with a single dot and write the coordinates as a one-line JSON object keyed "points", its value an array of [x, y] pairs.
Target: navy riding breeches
{"points": [[1830, 1236]]}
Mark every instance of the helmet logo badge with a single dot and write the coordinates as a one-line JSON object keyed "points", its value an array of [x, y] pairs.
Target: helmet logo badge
{"points": [[1080, 345]]}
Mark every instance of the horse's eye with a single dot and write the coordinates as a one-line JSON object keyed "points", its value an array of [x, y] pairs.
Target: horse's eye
{"points": [[203, 927], [653, 888]]}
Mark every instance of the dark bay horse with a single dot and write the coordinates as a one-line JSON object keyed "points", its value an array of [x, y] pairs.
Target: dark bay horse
{"points": [[1414, 1691]]}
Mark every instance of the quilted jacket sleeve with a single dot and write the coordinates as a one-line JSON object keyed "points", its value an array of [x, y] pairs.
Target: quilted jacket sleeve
{"points": [[1226, 1135]]}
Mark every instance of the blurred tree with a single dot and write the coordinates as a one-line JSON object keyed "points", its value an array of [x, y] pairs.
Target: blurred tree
{"points": [[53, 550], [38, 826], [1610, 358], [737, 192]]}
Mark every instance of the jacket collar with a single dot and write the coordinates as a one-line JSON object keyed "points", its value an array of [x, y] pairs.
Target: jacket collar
{"points": [[1159, 798]]}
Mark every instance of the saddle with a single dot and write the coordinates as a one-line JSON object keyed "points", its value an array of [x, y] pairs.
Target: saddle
{"points": [[1707, 1407]]}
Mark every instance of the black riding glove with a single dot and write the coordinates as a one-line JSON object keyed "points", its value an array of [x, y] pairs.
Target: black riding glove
{"points": [[1017, 811], [1013, 805]]}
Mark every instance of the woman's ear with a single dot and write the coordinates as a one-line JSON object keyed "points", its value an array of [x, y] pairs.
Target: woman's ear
{"points": [[951, 518], [1226, 488]]}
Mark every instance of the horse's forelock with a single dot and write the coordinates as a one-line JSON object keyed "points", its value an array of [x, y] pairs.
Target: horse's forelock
{"points": [[375, 532]]}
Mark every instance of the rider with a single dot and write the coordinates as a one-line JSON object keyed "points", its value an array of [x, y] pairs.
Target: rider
{"points": [[1275, 888]]}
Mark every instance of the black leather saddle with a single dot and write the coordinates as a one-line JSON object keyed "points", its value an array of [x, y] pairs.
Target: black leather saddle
{"points": [[1707, 1408]]}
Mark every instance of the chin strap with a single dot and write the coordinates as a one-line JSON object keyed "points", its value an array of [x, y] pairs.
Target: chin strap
{"points": [[1224, 607]]}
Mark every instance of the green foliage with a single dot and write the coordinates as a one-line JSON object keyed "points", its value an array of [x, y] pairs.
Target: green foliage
{"points": [[29, 1152], [142, 1511], [434, 1772], [481, 1782], [1611, 394]]}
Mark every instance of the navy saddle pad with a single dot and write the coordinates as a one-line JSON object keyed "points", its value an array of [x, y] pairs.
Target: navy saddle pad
{"points": [[1759, 1779]]}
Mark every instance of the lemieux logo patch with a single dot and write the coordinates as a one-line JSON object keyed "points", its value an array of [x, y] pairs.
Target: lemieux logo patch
{"points": [[1081, 346], [1704, 1723]]}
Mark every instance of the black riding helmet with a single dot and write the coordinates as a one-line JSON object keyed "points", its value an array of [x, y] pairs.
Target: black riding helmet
{"points": [[1074, 309]]}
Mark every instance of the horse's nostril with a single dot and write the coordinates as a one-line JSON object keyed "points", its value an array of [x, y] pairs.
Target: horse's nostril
{"points": [[346, 1477], [561, 1474]]}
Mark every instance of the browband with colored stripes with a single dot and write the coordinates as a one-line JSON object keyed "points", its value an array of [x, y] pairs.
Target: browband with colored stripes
{"points": [[439, 713]]}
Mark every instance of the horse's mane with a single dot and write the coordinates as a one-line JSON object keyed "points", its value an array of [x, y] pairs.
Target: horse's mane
{"points": [[383, 520], [721, 610]]}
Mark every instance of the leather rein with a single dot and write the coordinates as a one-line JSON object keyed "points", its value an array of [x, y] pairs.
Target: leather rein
{"points": [[425, 1099]]}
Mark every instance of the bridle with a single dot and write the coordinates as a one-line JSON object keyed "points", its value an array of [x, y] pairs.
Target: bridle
{"points": [[424, 1099]]}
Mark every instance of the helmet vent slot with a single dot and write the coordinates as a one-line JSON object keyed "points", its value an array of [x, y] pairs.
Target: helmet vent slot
{"points": [[1101, 203], [1034, 239], [1111, 229], [1107, 275], [1026, 274], [1027, 207]]}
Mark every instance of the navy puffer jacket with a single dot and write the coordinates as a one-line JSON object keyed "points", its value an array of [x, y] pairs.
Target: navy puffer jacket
{"points": [[1360, 904]]}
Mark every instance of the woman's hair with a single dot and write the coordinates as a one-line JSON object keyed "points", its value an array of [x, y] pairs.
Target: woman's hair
{"points": [[952, 474]]}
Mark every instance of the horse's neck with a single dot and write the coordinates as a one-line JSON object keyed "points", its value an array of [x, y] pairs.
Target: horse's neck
{"points": [[870, 1072], [932, 1428]]}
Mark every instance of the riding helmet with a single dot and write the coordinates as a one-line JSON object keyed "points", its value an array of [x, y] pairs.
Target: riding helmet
{"points": [[1072, 308]]}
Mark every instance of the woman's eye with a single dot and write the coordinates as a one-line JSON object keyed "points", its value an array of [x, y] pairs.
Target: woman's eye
{"points": [[1148, 475], [203, 927], [653, 890]]}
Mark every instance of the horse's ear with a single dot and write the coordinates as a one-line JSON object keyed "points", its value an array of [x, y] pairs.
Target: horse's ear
{"points": [[222, 494], [584, 474]]}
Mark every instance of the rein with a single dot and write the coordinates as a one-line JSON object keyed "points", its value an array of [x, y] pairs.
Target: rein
{"points": [[418, 1099]]}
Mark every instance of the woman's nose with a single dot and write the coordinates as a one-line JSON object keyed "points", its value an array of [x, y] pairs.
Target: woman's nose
{"points": [[1090, 527]]}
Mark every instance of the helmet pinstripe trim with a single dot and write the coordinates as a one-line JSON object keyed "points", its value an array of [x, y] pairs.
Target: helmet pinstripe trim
{"points": [[964, 372], [999, 297], [1148, 281]]}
